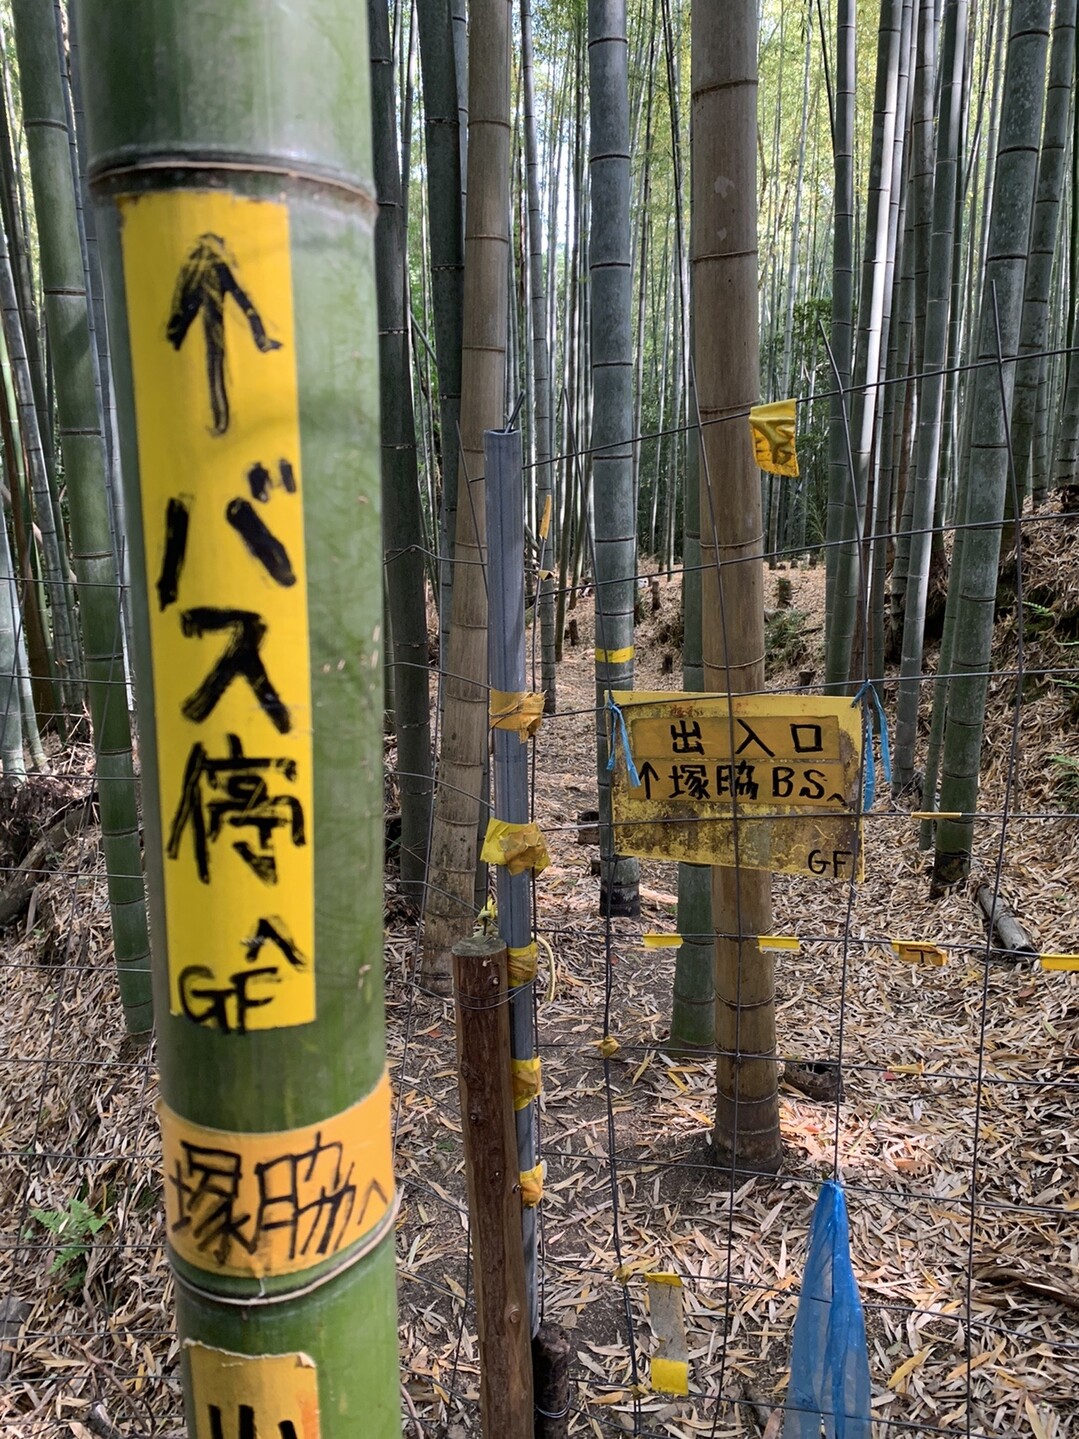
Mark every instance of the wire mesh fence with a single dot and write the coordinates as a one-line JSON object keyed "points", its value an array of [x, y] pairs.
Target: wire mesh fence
{"points": [[937, 1083]]}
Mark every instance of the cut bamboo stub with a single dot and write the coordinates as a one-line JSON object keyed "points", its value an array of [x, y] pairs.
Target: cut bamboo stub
{"points": [[1003, 923]]}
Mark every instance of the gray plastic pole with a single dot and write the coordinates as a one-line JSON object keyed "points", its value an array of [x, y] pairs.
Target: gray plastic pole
{"points": [[506, 667]]}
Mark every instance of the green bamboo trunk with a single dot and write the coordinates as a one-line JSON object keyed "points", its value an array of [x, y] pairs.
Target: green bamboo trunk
{"points": [[693, 1025], [610, 277], [987, 463], [83, 450], [239, 167], [406, 589], [63, 645]]}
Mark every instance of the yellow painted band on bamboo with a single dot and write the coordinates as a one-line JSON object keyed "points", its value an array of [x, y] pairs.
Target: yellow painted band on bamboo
{"points": [[787, 942], [661, 941], [532, 1186], [522, 964], [674, 1280], [669, 1376], [936, 814], [915, 951], [518, 712], [257, 1205], [545, 520], [1060, 961], [208, 285], [527, 1081], [614, 657], [517, 846], [279, 1390]]}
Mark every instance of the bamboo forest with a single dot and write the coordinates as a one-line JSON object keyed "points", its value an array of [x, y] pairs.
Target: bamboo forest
{"points": [[539, 719]]}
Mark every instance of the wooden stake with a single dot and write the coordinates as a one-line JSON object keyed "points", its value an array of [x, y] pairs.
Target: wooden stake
{"points": [[494, 1201]]}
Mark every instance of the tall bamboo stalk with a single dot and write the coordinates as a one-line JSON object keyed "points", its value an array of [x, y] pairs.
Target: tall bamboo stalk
{"points": [[724, 255], [56, 581], [406, 587], [1032, 373], [541, 368], [931, 399], [451, 890], [12, 758], [611, 309], [444, 180], [242, 173], [1016, 164], [83, 449]]}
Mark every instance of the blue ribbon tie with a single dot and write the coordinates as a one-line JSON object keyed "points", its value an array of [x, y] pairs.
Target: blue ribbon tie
{"points": [[618, 729], [867, 697]]}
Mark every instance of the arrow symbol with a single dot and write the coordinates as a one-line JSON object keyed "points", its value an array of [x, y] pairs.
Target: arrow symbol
{"points": [[648, 774], [205, 279]]}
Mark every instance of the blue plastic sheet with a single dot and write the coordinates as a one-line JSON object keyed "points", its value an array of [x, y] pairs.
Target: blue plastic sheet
{"points": [[829, 1359]]}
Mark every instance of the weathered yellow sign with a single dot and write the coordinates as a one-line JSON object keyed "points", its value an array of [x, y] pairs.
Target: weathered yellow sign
{"points": [[208, 282], [252, 1396], [258, 1205], [765, 781]]}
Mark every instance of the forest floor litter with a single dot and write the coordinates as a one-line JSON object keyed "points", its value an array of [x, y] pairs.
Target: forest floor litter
{"points": [[86, 1340]]}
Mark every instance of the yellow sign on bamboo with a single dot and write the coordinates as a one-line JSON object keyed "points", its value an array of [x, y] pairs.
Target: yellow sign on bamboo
{"points": [[258, 1205], [208, 282], [252, 1394], [765, 781]]}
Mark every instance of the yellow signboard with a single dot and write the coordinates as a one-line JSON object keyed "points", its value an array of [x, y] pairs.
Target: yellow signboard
{"points": [[209, 300], [766, 781], [249, 1396], [258, 1205]]}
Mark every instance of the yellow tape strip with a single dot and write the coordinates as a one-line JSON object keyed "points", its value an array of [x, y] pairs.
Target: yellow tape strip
{"points": [[522, 964], [661, 941], [936, 814], [914, 951], [545, 521], [669, 1371], [527, 1081], [607, 1046], [669, 1376], [260, 1204], [518, 712], [614, 657], [790, 943], [532, 1186], [771, 429], [1060, 961], [517, 846]]}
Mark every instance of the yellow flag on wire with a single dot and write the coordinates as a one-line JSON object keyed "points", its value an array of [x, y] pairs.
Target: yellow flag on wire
{"points": [[772, 429]]}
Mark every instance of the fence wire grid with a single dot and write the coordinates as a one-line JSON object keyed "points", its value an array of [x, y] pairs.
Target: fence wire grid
{"points": [[950, 1122]]}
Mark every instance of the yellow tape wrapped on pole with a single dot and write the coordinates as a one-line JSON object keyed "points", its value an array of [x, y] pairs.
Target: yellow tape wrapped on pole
{"points": [[522, 964], [517, 846], [527, 1081], [771, 428], [532, 1186], [521, 712]]}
